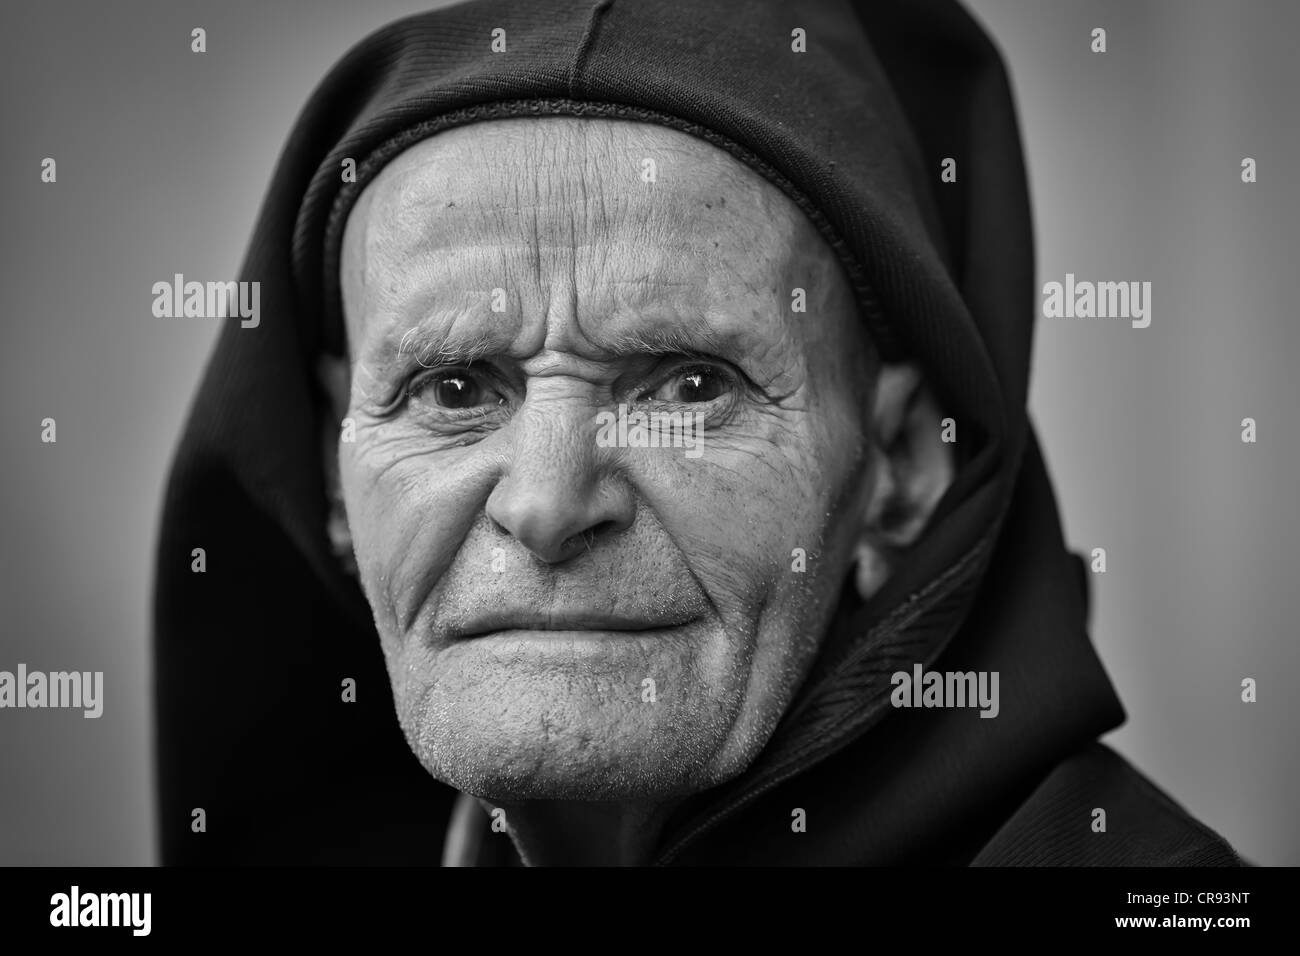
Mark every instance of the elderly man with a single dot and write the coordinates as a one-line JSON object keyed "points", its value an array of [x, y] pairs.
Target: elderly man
{"points": [[811, 606]]}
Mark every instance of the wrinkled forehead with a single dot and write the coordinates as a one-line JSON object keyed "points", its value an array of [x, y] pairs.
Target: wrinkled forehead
{"points": [[634, 216], [491, 178]]}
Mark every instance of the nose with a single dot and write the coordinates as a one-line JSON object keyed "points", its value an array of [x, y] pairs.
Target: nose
{"points": [[559, 494]]}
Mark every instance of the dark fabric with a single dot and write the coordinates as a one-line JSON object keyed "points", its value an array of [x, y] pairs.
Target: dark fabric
{"points": [[1144, 827], [250, 655]]}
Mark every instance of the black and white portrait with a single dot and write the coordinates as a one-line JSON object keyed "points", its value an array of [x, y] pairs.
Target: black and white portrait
{"points": [[645, 433]]}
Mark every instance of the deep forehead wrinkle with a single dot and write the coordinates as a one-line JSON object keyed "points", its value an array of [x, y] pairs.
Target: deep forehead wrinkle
{"points": [[702, 257], [437, 342]]}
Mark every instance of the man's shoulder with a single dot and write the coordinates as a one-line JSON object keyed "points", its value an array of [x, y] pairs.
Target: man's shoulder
{"points": [[1095, 809]]}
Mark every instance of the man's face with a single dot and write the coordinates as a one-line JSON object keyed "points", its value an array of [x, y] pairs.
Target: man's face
{"points": [[563, 617]]}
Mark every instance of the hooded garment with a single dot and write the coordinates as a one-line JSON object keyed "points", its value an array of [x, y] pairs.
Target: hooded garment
{"points": [[252, 653]]}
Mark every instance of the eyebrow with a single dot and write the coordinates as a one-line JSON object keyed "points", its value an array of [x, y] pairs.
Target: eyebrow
{"points": [[440, 345], [433, 347], [687, 335]]}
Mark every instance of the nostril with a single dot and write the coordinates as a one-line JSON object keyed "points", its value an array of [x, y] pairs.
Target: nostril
{"points": [[585, 540], [601, 529], [556, 517], [570, 547]]}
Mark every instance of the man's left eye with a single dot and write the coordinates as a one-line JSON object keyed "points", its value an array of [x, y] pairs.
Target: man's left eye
{"points": [[693, 384]]}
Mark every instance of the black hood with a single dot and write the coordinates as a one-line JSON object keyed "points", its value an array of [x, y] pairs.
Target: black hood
{"points": [[251, 653]]}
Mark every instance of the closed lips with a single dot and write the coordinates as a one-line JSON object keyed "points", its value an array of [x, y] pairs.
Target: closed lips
{"points": [[566, 621]]}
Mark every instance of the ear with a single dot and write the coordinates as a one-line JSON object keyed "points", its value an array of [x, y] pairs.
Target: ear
{"points": [[911, 469], [334, 376]]}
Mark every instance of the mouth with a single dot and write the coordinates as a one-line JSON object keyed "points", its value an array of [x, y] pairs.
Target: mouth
{"points": [[568, 624]]}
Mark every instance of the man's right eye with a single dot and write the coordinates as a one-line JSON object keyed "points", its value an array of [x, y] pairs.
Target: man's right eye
{"points": [[455, 390]]}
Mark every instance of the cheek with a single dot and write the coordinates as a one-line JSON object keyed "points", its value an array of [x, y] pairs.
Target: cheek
{"points": [[765, 521], [408, 510], [765, 509]]}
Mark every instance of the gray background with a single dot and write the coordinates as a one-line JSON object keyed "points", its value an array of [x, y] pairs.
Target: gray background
{"points": [[163, 157]]}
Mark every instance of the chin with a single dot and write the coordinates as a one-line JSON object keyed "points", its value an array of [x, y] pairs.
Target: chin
{"points": [[554, 736]]}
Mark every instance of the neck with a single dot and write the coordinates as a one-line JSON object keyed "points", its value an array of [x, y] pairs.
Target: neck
{"points": [[584, 833]]}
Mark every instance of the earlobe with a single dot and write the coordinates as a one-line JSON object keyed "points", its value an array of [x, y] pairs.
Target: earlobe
{"points": [[912, 468]]}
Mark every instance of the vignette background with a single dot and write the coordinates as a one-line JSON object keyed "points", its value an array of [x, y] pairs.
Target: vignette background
{"points": [[1134, 156]]}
